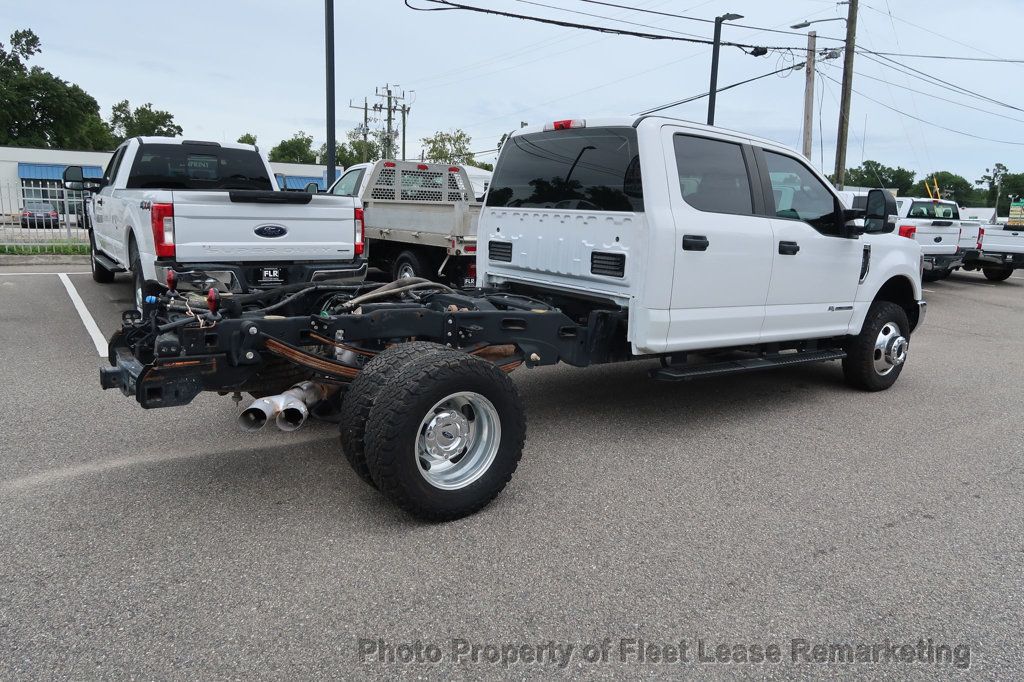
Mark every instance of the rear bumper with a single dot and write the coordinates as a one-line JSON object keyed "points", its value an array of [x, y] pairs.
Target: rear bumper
{"points": [[995, 258], [943, 261], [242, 278]]}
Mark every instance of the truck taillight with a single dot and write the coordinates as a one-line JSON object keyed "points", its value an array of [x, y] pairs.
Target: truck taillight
{"points": [[981, 234], [53, 214], [908, 231], [162, 219], [360, 232]]}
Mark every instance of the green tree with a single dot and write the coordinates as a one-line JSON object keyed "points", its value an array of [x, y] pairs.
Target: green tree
{"points": [[247, 138], [951, 186], [874, 174], [296, 149], [1013, 186], [41, 110], [992, 180], [126, 122], [448, 147]]}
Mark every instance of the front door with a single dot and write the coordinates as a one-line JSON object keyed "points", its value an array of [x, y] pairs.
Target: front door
{"points": [[722, 250], [815, 271]]}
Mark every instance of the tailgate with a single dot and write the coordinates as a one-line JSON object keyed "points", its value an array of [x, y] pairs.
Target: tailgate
{"points": [[244, 226], [1009, 240], [937, 237]]}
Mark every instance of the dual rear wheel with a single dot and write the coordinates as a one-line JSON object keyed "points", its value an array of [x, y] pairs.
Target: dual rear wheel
{"points": [[439, 432]]}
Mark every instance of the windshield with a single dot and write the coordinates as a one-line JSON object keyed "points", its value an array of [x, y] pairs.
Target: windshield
{"points": [[934, 209], [37, 206], [585, 169], [197, 167]]}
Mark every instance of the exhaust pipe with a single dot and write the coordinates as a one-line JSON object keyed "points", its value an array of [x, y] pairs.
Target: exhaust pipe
{"points": [[288, 410]]}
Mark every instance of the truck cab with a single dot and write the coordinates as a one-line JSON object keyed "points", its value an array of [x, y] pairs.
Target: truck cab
{"points": [[705, 237]]}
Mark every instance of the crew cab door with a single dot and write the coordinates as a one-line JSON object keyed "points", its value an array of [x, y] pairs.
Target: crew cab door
{"points": [[723, 249], [815, 270], [102, 209]]}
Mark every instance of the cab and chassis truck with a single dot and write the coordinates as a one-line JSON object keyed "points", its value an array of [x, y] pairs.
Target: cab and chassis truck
{"points": [[601, 241]]}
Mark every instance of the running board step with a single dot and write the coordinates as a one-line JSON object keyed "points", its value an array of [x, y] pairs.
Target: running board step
{"points": [[714, 369], [108, 263]]}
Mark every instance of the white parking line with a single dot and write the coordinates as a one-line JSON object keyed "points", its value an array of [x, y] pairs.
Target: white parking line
{"points": [[18, 274], [98, 339]]}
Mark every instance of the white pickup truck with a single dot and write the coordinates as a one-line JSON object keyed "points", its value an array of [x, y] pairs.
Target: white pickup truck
{"points": [[935, 225], [1000, 252], [605, 240], [420, 218], [201, 215]]}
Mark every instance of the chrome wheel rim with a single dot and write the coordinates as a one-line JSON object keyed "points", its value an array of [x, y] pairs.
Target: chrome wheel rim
{"points": [[457, 440], [405, 271], [890, 349]]}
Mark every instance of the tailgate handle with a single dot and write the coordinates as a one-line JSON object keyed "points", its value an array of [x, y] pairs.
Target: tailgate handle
{"points": [[695, 242], [789, 248]]}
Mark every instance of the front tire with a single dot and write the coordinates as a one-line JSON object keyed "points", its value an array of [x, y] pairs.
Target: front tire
{"points": [[997, 274], [99, 273], [875, 357], [445, 436]]}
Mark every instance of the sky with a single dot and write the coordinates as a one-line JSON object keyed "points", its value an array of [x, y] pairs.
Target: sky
{"points": [[227, 67]]}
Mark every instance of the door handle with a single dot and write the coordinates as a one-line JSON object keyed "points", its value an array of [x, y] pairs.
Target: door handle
{"points": [[695, 242], [100, 201], [789, 248]]}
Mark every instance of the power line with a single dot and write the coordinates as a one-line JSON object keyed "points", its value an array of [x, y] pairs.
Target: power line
{"points": [[722, 89], [903, 68], [448, 5], [707, 21], [933, 96], [926, 122], [601, 16]]}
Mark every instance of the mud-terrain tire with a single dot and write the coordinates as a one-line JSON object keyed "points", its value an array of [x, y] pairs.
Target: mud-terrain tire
{"points": [[363, 392], [876, 356], [445, 436]]}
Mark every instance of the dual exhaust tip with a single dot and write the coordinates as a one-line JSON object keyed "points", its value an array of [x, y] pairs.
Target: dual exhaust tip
{"points": [[288, 411]]}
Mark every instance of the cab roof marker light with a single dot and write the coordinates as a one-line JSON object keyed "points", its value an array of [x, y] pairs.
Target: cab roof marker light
{"points": [[565, 124]]}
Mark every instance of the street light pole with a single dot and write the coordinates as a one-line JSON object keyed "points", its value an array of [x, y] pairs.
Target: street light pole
{"points": [[844, 104], [715, 48], [329, 49]]}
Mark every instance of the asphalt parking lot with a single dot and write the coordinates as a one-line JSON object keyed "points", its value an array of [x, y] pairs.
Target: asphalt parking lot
{"points": [[752, 510]]}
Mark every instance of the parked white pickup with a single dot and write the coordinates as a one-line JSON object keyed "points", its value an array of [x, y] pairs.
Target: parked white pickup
{"points": [[210, 214], [1001, 252], [935, 225]]}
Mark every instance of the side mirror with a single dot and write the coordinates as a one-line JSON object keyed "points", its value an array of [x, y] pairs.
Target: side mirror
{"points": [[880, 212], [74, 178], [312, 188]]}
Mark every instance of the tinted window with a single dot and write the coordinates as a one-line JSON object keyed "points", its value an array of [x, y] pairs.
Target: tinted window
{"points": [[934, 209], [349, 183], [586, 169], [713, 175], [799, 195], [115, 162], [193, 166], [37, 206]]}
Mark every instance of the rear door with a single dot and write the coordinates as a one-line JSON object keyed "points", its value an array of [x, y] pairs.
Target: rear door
{"points": [[815, 271], [722, 250], [102, 209]]}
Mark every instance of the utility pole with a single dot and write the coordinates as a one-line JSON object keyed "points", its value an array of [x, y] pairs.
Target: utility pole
{"points": [[365, 129], [844, 104], [389, 107], [715, 48], [809, 93], [404, 110], [329, 49]]}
